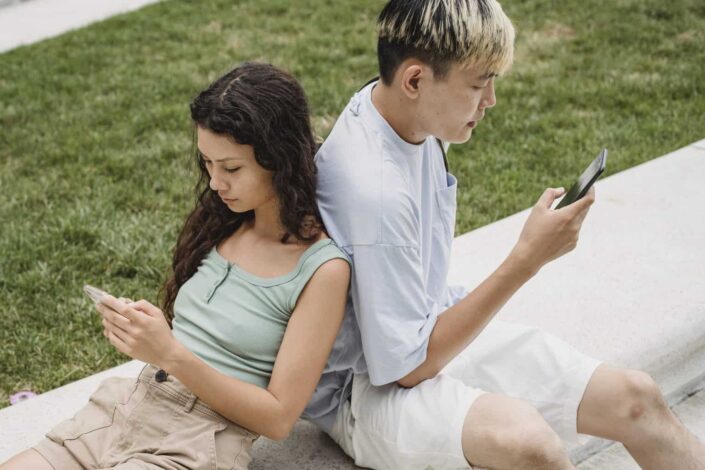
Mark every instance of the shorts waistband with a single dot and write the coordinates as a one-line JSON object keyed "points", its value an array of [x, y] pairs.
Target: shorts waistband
{"points": [[158, 378]]}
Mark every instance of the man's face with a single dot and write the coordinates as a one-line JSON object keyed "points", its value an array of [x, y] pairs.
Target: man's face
{"points": [[453, 106]]}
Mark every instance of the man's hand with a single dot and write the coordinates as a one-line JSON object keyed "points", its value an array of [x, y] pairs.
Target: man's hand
{"points": [[138, 329], [549, 234]]}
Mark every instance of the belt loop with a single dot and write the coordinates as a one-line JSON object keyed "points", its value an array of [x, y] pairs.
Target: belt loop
{"points": [[190, 402]]}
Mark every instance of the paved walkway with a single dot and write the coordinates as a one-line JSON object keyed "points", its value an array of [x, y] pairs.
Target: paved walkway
{"points": [[27, 22]]}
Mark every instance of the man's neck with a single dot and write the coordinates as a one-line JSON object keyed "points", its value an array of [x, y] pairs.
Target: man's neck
{"points": [[398, 112]]}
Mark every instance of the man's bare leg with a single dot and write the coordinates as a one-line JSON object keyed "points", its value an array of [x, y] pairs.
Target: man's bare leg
{"points": [[504, 433], [627, 406]]}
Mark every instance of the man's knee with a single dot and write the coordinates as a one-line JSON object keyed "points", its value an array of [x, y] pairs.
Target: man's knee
{"points": [[504, 432], [640, 395]]}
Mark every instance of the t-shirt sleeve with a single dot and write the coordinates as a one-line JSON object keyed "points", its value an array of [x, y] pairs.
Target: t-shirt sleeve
{"points": [[393, 313], [456, 294]]}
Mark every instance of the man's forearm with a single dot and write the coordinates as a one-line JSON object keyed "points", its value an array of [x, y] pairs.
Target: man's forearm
{"points": [[460, 324]]}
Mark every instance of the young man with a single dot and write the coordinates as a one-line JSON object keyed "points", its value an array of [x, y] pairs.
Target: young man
{"points": [[419, 377]]}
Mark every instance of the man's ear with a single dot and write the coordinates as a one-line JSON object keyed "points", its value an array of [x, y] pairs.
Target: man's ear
{"points": [[411, 75]]}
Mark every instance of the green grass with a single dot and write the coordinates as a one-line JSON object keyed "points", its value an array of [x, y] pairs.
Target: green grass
{"points": [[95, 139]]}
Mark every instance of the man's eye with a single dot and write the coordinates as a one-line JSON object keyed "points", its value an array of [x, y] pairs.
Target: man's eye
{"points": [[232, 170]]}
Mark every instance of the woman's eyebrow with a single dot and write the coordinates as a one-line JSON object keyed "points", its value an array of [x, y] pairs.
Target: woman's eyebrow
{"points": [[221, 160]]}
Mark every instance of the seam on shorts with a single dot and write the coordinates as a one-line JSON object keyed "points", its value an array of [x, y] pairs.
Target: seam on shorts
{"points": [[237, 457], [112, 416], [45, 457]]}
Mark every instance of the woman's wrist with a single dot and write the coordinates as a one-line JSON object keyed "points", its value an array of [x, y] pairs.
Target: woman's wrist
{"points": [[176, 357]]}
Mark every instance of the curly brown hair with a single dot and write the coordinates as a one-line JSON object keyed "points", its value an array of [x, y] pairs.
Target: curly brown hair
{"points": [[259, 105]]}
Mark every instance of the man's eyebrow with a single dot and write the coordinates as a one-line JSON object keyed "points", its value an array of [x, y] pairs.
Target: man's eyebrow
{"points": [[221, 160], [488, 75]]}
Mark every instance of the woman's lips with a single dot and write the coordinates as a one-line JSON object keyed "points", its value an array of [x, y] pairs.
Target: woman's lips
{"points": [[472, 124]]}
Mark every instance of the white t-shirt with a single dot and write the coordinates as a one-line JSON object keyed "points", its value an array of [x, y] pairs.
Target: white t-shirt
{"points": [[390, 205]]}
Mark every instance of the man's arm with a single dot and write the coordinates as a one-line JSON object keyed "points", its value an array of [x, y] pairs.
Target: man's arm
{"points": [[460, 324], [547, 235]]}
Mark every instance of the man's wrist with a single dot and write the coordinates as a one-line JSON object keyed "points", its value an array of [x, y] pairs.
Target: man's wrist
{"points": [[520, 262]]}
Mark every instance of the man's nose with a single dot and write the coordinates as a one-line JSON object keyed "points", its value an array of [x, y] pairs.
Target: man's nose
{"points": [[489, 99]]}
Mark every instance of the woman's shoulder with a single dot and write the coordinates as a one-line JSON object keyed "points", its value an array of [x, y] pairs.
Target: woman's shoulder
{"points": [[324, 251]]}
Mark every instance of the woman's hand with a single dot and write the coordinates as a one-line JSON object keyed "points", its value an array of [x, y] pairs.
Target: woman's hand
{"points": [[138, 329]]}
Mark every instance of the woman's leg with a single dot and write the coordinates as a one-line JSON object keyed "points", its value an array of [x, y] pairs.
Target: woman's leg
{"points": [[30, 459]]}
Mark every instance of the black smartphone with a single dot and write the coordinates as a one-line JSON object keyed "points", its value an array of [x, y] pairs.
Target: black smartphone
{"points": [[586, 180]]}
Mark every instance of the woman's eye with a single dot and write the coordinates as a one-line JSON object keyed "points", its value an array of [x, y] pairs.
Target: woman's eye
{"points": [[232, 170]]}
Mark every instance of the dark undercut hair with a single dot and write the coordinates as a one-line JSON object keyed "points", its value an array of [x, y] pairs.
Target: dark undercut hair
{"points": [[443, 32]]}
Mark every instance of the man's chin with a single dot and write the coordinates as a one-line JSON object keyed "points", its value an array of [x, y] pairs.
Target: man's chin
{"points": [[459, 139]]}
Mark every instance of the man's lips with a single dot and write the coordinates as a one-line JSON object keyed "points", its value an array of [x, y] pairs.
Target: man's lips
{"points": [[473, 124]]}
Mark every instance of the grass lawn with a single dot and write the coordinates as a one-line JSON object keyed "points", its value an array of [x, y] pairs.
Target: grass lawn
{"points": [[96, 172]]}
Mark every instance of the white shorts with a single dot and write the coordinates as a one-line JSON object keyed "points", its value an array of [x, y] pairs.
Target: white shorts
{"points": [[391, 427]]}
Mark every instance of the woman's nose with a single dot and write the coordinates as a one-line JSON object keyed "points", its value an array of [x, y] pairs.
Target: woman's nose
{"points": [[215, 183]]}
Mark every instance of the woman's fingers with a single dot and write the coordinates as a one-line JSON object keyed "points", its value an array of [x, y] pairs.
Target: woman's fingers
{"points": [[119, 344], [114, 317]]}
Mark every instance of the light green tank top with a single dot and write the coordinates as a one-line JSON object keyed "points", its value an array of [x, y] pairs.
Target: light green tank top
{"points": [[235, 321]]}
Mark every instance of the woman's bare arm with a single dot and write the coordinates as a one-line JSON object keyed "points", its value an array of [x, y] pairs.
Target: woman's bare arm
{"points": [[139, 330]]}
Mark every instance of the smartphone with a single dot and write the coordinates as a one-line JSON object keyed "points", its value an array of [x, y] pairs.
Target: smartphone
{"points": [[94, 293], [586, 180]]}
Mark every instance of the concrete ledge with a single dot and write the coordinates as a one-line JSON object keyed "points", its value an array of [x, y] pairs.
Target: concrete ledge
{"points": [[632, 294]]}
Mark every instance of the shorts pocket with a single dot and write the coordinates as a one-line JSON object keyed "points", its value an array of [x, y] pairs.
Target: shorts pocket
{"points": [[233, 447], [99, 413]]}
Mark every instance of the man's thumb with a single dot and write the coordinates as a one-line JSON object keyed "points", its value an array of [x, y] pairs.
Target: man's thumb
{"points": [[550, 195]]}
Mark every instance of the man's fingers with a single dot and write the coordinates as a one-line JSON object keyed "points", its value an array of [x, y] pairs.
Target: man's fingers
{"points": [[548, 196], [583, 204]]}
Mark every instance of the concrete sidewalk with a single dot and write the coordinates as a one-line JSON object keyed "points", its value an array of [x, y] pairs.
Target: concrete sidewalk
{"points": [[28, 22]]}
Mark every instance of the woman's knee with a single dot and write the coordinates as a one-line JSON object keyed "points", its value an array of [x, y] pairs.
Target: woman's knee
{"points": [[502, 432]]}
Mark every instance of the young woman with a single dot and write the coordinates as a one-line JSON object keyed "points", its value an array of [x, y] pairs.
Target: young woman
{"points": [[254, 304]]}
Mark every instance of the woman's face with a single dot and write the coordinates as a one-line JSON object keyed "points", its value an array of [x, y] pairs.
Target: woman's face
{"points": [[234, 173]]}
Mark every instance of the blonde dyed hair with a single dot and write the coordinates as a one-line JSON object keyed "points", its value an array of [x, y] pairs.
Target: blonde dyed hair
{"points": [[469, 32]]}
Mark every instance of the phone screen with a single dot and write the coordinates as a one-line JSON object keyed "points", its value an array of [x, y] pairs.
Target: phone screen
{"points": [[586, 180]]}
